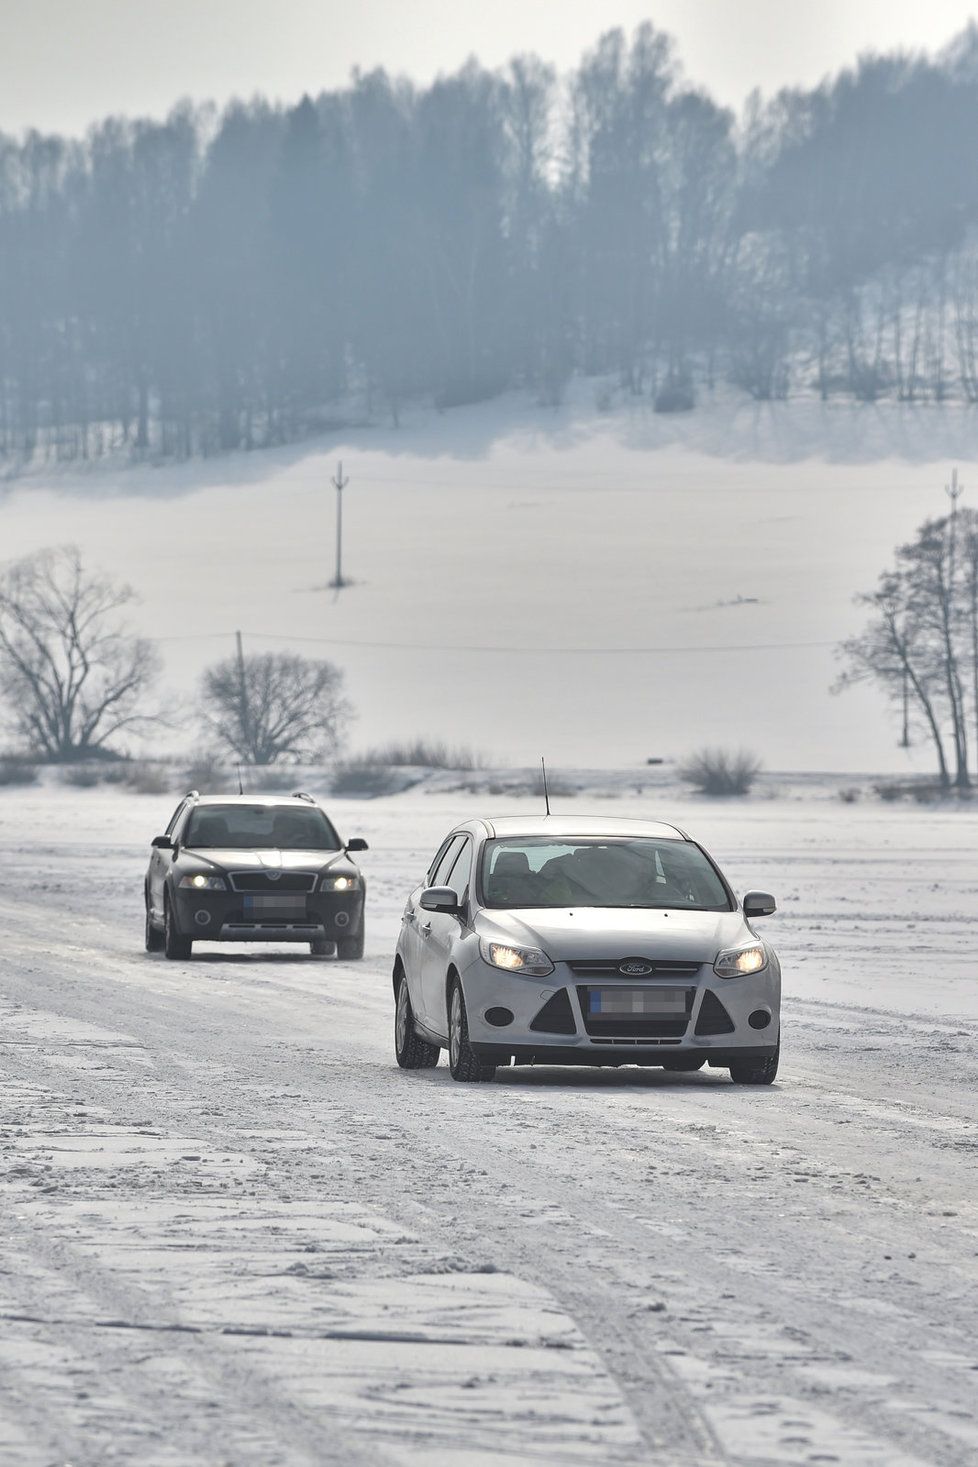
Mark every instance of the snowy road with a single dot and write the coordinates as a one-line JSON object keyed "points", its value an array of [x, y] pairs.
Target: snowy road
{"points": [[233, 1232]]}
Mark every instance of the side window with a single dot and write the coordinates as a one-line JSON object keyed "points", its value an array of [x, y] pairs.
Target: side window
{"points": [[461, 871], [174, 818], [436, 861], [447, 861]]}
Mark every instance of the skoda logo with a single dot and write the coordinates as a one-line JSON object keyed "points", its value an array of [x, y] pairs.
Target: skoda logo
{"points": [[635, 968]]}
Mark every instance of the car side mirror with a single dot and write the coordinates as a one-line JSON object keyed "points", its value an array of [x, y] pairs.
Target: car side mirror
{"points": [[759, 904], [163, 843], [439, 899], [357, 844]]}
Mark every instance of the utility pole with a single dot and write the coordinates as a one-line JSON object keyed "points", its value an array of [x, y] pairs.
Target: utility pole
{"points": [[243, 697], [339, 484]]}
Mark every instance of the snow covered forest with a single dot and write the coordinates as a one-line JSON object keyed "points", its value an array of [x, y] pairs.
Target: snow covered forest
{"points": [[220, 281]]}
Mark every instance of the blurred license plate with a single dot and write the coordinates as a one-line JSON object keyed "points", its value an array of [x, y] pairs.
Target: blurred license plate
{"points": [[287, 902], [641, 1003]]}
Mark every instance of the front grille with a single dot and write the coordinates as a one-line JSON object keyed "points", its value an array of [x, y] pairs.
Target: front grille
{"points": [[713, 1017], [611, 968], [266, 881], [556, 1016]]}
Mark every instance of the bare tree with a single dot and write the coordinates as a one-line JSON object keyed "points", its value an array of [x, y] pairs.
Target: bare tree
{"points": [[275, 706], [71, 673], [894, 653], [921, 643]]}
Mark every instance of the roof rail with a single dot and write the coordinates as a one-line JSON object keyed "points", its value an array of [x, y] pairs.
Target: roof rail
{"points": [[301, 795], [192, 795]]}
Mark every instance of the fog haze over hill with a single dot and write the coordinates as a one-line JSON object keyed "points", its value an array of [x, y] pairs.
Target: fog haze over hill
{"points": [[211, 282]]}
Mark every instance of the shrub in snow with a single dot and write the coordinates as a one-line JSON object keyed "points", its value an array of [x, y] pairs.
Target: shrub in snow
{"points": [[676, 395], [17, 772], [152, 779], [364, 779], [721, 772], [424, 754]]}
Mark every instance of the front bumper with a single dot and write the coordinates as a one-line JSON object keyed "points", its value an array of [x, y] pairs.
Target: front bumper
{"points": [[225, 916], [723, 1021]]}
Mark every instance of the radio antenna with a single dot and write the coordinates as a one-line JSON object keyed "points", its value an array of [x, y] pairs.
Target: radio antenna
{"points": [[240, 785], [546, 791]]}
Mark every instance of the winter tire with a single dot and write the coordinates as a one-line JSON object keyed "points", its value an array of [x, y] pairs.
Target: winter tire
{"points": [[154, 937], [351, 948], [175, 945], [413, 1052], [463, 1061], [759, 1072]]}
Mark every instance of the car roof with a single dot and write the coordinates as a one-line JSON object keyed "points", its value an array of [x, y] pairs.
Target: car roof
{"points": [[562, 825]]}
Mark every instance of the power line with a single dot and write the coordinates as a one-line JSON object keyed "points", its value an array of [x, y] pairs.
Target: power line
{"points": [[483, 647]]}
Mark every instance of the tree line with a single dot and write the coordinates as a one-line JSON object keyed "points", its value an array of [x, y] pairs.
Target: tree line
{"points": [[218, 281]]}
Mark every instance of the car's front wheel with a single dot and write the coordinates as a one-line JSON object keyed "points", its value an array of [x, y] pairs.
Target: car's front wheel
{"points": [[758, 1072], [463, 1061], [351, 948], [175, 945], [413, 1052], [154, 937]]}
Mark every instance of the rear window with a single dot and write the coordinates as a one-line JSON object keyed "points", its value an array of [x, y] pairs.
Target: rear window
{"points": [[260, 827]]}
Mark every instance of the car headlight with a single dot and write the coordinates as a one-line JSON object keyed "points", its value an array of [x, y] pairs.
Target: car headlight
{"points": [[339, 883], [738, 960], [200, 882], [516, 959]]}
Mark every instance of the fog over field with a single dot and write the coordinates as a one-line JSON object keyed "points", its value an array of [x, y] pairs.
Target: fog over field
{"points": [[733, 541]]}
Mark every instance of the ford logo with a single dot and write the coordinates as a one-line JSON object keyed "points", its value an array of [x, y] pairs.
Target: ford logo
{"points": [[635, 968]]}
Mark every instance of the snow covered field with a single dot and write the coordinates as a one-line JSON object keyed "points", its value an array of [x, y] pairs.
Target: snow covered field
{"points": [[233, 1232], [688, 576]]}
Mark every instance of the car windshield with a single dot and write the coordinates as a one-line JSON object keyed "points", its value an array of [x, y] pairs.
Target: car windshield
{"points": [[601, 872], [260, 827]]}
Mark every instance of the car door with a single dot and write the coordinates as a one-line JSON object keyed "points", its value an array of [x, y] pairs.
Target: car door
{"points": [[439, 933], [415, 917], [159, 865]]}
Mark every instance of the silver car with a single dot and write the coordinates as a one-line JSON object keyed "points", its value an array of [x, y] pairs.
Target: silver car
{"points": [[583, 942]]}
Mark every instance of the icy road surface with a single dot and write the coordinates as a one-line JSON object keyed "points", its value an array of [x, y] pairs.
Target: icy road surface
{"points": [[233, 1232]]}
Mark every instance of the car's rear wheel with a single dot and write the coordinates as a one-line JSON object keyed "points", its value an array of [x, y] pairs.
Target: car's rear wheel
{"points": [[463, 1061], [154, 937], [351, 948], [175, 945], [413, 1052], [758, 1072]]}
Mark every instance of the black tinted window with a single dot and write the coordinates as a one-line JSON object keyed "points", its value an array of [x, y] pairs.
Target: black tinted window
{"points": [[260, 827]]}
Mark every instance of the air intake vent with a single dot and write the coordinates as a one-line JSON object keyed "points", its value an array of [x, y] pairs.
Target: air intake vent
{"points": [[713, 1017], [556, 1016]]}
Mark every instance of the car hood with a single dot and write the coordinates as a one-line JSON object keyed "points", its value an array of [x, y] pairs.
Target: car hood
{"points": [[264, 860], [616, 932]]}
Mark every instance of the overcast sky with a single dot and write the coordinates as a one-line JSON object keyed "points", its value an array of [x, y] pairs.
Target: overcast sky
{"points": [[64, 63]]}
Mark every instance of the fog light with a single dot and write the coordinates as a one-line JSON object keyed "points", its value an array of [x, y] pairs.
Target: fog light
{"points": [[202, 918], [499, 1018], [759, 1019], [342, 919]]}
